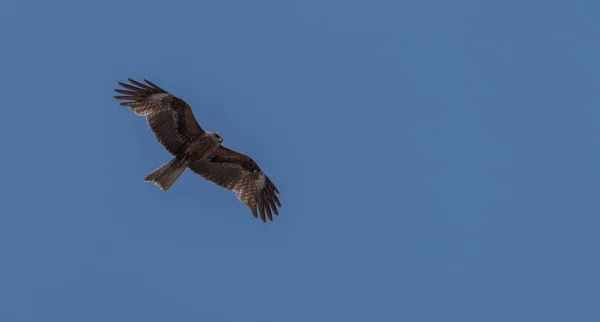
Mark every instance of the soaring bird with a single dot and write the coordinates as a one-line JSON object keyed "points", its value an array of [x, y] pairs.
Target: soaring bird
{"points": [[175, 127]]}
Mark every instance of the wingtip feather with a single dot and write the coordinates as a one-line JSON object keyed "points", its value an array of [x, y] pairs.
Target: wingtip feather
{"points": [[261, 209]]}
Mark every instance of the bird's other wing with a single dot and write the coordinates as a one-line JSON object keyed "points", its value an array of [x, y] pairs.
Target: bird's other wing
{"points": [[169, 117], [238, 172]]}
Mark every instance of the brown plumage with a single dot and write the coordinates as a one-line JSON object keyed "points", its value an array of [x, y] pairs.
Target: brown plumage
{"points": [[175, 127]]}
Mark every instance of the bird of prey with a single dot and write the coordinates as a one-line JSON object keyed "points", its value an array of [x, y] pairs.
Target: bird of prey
{"points": [[175, 127]]}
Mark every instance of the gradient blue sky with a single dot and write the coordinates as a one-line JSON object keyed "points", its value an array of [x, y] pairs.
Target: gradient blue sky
{"points": [[437, 161]]}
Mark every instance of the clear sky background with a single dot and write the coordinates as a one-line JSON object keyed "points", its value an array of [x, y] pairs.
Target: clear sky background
{"points": [[437, 161]]}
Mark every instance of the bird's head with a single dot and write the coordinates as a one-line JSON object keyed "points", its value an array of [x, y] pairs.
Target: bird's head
{"points": [[218, 137]]}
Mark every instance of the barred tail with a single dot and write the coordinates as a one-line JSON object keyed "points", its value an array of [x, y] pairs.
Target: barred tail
{"points": [[167, 173]]}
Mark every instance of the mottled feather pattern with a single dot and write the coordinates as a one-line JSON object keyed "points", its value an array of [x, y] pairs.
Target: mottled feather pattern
{"points": [[169, 117], [258, 191], [253, 188]]}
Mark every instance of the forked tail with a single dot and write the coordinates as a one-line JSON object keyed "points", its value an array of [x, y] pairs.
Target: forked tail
{"points": [[167, 173]]}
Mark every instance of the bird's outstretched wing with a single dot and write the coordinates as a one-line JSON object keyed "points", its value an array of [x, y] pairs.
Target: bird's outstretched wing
{"points": [[169, 117], [238, 172]]}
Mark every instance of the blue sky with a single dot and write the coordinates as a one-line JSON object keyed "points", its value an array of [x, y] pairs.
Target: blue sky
{"points": [[437, 161]]}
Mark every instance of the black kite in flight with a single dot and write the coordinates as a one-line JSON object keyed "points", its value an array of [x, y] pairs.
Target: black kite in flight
{"points": [[174, 125]]}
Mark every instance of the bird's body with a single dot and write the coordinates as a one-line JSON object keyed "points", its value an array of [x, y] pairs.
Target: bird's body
{"points": [[203, 146], [174, 125]]}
